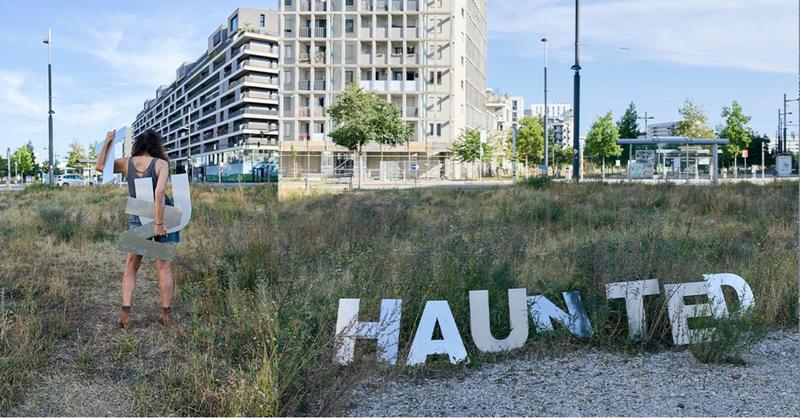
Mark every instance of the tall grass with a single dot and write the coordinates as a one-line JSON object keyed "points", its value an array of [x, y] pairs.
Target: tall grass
{"points": [[259, 280]]}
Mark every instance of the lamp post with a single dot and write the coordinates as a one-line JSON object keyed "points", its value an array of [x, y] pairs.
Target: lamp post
{"points": [[546, 114], [49, 42], [514, 154], [576, 138]]}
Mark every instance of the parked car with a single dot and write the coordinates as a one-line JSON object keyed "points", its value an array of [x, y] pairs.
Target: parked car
{"points": [[72, 180]]}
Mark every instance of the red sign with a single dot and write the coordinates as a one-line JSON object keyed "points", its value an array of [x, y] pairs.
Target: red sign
{"points": [[745, 153]]}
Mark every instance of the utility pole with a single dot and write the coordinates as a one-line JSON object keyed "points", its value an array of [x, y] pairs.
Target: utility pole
{"points": [[798, 173], [49, 42], [546, 114], [778, 136], [8, 170], [515, 131], [576, 138]]}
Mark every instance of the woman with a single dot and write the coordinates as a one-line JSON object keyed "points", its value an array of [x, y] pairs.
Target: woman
{"points": [[148, 159]]}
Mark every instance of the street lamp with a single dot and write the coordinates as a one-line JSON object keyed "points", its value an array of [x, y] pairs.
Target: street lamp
{"points": [[546, 114], [49, 42], [576, 138]]}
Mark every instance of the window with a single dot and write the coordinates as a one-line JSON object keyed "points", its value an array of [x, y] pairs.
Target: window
{"points": [[262, 20], [234, 24], [411, 50], [287, 3], [348, 77], [217, 38], [349, 26]]}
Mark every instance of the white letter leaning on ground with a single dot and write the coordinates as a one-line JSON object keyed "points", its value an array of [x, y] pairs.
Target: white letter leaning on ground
{"points": [[437, 311], [679, 312], [480, 322], [543, 312], [634, 293], [386, 331]]}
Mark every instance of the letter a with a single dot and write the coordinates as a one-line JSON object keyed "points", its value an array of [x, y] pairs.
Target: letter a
{"points": [[437, 311]]}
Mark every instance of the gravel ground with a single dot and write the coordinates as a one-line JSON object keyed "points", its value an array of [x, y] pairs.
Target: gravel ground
{"points": [[593, 382]]}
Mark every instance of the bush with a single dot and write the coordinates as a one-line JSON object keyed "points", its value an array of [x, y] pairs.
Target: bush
{"points": [[725, 340]]}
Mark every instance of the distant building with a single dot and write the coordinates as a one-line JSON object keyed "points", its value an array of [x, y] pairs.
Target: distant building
{"points": [[221, 111], [661, 129], [503, 111], [560, 121]]}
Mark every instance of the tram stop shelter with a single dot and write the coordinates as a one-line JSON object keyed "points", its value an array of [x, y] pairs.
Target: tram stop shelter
{"points": [[665, 156]]}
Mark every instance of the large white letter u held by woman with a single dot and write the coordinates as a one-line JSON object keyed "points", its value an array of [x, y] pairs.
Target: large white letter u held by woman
{"points": [[481, 326]]}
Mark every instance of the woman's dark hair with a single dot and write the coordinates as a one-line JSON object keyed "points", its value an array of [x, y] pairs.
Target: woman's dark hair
{"points": [[151, 143]]}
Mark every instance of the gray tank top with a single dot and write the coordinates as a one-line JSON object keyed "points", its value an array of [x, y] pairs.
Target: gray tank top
{"points": [[150, 171]]}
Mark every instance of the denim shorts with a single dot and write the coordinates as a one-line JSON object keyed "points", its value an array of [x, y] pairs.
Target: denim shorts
{"points": [[171, 238]]}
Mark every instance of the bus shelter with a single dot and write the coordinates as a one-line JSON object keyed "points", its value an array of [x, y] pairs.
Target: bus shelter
{"points": [[657, 156]]}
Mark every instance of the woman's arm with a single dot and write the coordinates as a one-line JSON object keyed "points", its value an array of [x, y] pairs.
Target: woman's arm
{"points": [[162, 173], [120, 164], [101, 158]]}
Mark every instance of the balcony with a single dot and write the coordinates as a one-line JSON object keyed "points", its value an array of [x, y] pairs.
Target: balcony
{"points": [[319, 112], [258, 64], [261, 111], [259, 95], [304, 84], [319, 84], [397, 5], [412, 112], [390, 85], [304, 58], [320, 58], [367, 6], [305, 32], [235, 113], [383, 6], [269, 127], [260, 48], [304, 112], [321, 6], [320, 32], [304, 6]]}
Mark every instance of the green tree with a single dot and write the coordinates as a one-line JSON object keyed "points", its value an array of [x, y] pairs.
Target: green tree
{"points": [[76, 154], [601, 143], [93, 151], [694, 123], [563, 157], [530, 140], [468, 148], [361, 118], [736, 131], [757, 143], [628, 126], [22, 161]]}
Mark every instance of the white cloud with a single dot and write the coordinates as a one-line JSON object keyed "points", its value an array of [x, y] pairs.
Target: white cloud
{"points": [[741, 34]]}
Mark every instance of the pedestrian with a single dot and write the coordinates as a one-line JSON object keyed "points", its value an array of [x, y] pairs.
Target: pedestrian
{"points": [[148, 160]]}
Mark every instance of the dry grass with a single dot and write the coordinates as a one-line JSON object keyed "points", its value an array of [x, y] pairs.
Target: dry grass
{"points": [[259, 282]]}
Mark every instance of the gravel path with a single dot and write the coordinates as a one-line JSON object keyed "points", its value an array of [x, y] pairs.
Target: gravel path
{"points": [[592, 382]]}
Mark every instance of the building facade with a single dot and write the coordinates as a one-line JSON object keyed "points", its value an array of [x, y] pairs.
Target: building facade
{"points": [[426, 57], [220, 118], [503, 111], [560, 121], [661, 129]]}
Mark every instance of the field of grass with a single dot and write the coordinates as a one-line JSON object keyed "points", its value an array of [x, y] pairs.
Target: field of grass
{"points": [[258, 283]]}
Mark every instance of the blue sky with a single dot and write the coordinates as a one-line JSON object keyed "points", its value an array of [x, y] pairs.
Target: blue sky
{"points": [[110, 56]]}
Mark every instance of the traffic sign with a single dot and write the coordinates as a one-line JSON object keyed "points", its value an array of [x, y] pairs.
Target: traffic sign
{"points": [[745, 153], [414, 166]]}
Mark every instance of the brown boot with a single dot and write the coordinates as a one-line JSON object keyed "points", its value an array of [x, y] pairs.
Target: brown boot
{"points": [[125, 317], [165, 319]]}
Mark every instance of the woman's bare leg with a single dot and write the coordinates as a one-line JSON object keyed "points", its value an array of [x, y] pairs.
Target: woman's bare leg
{"points": [[132, 264], [165, 282]]}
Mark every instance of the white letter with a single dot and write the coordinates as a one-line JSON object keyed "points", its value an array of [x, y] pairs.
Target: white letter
{"points": [[679, 313], [543, 312], [634, 293], [481, 328], [717, 298], [348, 329], [436, 311]]}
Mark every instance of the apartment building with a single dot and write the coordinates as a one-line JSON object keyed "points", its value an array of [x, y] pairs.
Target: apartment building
{"points": [[661, 129], [219, 117], [428, 57], [503, 111], [560, 121]]}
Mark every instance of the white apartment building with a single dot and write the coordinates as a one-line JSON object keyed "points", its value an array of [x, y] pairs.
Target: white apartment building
{"points": [[661, 129], [428, 57], [560, 120], [503, 111], [220, 115]]}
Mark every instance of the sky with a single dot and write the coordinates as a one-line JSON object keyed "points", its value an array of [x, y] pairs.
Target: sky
{"points": [[110, 56]]}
